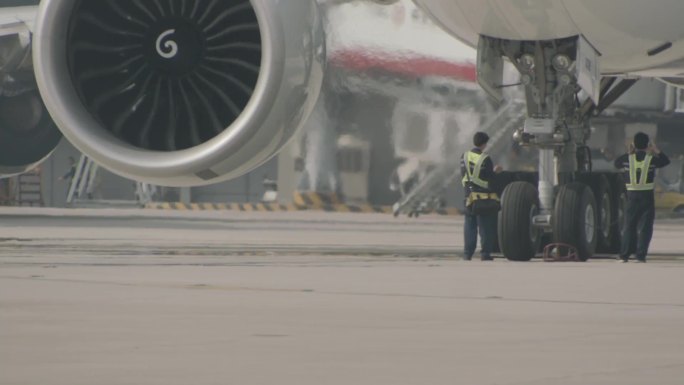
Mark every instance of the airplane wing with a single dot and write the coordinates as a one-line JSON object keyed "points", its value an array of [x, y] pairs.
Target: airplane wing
{"points": [[15, 20]]}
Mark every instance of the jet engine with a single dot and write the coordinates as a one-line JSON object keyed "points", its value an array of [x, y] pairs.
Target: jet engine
{"points": [[179, 92], [27, 134]]}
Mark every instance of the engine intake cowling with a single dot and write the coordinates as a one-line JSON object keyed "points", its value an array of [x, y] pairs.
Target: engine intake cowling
{"points": [[179, 92]]}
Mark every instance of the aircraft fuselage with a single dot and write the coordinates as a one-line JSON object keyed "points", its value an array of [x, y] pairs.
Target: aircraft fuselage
{"points": [[632, 36]]}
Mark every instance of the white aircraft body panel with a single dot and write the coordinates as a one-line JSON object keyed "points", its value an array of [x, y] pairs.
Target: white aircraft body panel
{"points": [[398, 29], [632, 36], [17, 19]]}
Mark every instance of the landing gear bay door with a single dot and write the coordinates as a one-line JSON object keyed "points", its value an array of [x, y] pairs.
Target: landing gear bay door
{"points": [[490, 68], [588, 69]]}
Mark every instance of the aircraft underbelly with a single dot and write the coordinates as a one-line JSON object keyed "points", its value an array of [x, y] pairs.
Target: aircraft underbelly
{"points": [[633, 36]]}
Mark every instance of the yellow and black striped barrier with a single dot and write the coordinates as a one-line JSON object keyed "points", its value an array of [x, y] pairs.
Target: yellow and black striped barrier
{"points": [[275, 207], [316, 199], [223, 206]]}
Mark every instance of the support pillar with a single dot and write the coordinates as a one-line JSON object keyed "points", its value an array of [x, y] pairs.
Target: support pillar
{"points": [[186, 195], [321, 176]]}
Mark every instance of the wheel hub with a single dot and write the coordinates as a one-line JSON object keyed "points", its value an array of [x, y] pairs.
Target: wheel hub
{"points": [[589, 223], [534, 229], [605, 215]]}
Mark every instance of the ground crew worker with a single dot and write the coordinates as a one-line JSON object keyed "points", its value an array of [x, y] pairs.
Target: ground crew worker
{"points": [[638, 170], [69, 175], [478, 170]]}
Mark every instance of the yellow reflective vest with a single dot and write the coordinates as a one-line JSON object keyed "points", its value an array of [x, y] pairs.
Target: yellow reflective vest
{"points": [[473, 175], [643, 167]]}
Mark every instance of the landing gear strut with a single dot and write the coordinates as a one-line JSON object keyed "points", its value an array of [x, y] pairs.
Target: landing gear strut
{"points": [[570, 204]]}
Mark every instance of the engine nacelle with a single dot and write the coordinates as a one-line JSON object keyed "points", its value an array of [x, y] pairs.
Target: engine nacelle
{"points": [[177, 92], [27, 134]]}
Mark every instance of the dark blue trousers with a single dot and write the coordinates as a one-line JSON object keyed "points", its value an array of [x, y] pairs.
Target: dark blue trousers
{"points": [[486, 226], [639, 217]]}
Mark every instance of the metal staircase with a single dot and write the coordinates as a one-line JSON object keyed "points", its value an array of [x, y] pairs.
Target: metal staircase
{"points": [[85, 184], [28, 189], [83, 180], [425, 196], [501, 126], [145, 193]]}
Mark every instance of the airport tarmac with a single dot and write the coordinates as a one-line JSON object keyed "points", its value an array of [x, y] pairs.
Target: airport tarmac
{"points": [[151, 297]]}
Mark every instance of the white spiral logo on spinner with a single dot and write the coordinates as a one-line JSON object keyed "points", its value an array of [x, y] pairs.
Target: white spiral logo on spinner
{"points": [[170, 47]]}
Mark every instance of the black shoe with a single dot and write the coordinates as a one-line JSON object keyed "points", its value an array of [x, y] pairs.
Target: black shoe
{"points": [[640, 260], [622, 260], [467, 257], [486, 259]]}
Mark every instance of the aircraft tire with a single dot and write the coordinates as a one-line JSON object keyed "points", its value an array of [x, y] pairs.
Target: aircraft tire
{"points": [[605, 212], [620, 205], [518, 238], [574, 220]]}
